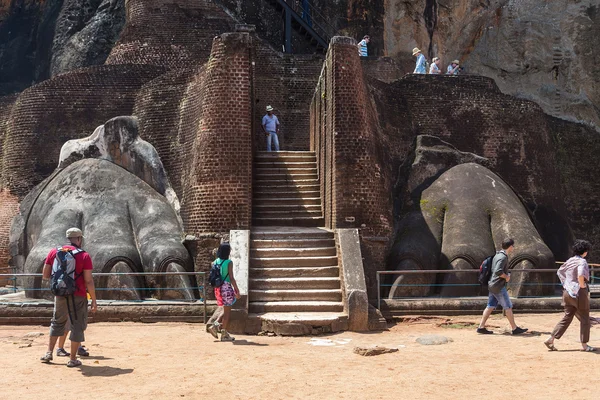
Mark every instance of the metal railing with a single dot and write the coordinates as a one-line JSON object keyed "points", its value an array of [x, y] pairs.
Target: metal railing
{"points": [[594, 286], [200, 288], [307, 10]]}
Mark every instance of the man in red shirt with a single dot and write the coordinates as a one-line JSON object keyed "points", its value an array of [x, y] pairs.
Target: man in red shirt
{"points": [[71, 307]]}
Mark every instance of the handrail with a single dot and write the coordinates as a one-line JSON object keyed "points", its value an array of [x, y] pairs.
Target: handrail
{"points": [[203, 274], [294, 9], [594, 268]]}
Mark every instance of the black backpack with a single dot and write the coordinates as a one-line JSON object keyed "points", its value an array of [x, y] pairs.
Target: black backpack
{"points": [[214, 278], [485, 270], [63, 279]]}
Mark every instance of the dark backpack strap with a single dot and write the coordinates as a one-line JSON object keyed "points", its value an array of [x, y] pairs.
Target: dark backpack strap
{"points": [[72, 297]]}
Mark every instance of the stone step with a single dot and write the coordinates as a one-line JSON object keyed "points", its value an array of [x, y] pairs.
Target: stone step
{"points": [[293, 252], [300, 176], [287, 214], [267, 168], [297, 272], [275, 165], [313, 205], [291, 222], [287, 243], [285, 156], [288, 187], [273, 233], [278, 183], [287, 193], [297, 323], [294, 283], [295, 306], [334, 295], [275, 262], [286, 201]]}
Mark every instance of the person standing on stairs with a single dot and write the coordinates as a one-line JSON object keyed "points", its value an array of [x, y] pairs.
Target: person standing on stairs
{"points": [[226, 294], [270, 125]]}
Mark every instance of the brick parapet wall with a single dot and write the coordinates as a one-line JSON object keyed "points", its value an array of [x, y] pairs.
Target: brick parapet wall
{"points": [[362, 192], [169, 33], [219, 176], [9, 207]]}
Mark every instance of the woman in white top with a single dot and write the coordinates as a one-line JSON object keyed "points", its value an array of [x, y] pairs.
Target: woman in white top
{"points": [[574, 276], [435, 66]]}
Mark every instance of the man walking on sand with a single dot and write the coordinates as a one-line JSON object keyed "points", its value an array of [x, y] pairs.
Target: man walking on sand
{"points": [[72, 307], [498, 293], [270, 126]]}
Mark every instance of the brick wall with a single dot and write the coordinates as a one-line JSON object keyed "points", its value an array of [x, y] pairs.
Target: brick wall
{"points": [[219, 176], [69, 106], [383, 68], [170, 33], [356, 184], [9, 207], [576, 148]]}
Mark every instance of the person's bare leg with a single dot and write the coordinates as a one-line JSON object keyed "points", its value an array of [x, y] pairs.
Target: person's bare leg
{"points": [[62, 340], [52, 343], [486, 314], [511, 318], [225, 317], [74, 347]]}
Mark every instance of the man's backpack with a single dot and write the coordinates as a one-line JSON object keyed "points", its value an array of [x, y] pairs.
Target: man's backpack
{"points": [[485, 270], [63, 281], [214, 278]]}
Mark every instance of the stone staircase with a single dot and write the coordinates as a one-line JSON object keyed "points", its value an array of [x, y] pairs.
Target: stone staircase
{"points": [[294, 277], [286, 189]]}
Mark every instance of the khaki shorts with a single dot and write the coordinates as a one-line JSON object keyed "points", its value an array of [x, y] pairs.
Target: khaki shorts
{"points": [[78, 321]]}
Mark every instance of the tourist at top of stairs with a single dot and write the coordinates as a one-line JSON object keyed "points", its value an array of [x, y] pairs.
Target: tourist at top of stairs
{"points": [[270, 125]]}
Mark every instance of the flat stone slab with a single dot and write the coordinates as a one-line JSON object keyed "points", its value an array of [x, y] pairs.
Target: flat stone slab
{"points": [[432, 340], [373, 351]]}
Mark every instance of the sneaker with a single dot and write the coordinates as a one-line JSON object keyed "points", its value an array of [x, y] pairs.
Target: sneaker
{"points": [[73, 363], [82, 351], [484, 331], [47, 357], [217, 326], [62, 353], [226, 337], [210, 328], [518, 331]]}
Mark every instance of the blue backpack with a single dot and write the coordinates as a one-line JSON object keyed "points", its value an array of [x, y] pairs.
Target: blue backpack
{"points": [[63, 278], [485, 270], [214, 278]]}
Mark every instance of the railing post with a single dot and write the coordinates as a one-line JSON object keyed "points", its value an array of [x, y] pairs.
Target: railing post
{"points": [[204, 295], [378, 291], [288, 32]]}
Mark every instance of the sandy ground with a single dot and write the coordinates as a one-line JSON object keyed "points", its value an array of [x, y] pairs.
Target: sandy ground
{"points": [[176, 360]]}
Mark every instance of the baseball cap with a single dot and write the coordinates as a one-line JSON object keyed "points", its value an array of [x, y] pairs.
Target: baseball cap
{"points": [[74, 232]]}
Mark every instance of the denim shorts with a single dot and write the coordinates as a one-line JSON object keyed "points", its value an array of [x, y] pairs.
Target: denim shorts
{"points": [[499, 298]]}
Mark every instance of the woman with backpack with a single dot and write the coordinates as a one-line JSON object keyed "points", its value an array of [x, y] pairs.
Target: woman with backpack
{"points": [[226, 293]]}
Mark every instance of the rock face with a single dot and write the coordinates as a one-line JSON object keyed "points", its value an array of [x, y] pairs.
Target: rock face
{"points": [[39, 39], [537, 50]]}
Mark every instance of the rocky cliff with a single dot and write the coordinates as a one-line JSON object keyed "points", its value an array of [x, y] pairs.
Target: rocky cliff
{"points": [[43, 38], [538, 50]]}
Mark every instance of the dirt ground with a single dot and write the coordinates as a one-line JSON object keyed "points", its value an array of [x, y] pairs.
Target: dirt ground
{"points": [[178, 360]]}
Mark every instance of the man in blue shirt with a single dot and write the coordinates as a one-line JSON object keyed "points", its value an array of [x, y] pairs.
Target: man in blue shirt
{"points": [[270, 125]]}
